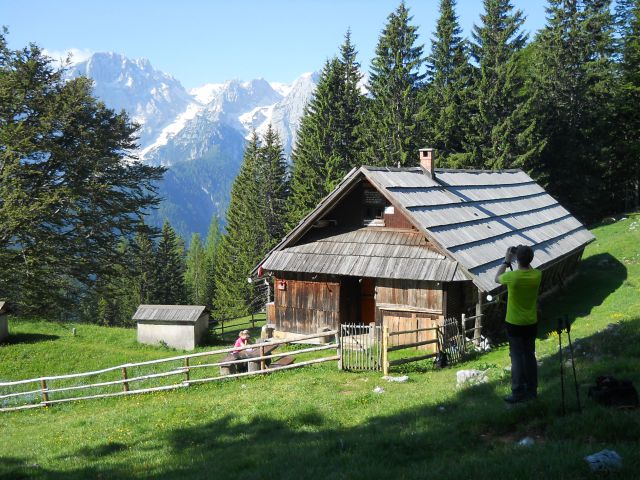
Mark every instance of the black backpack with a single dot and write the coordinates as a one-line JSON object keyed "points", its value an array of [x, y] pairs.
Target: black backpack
{"points": [[612, 392]]}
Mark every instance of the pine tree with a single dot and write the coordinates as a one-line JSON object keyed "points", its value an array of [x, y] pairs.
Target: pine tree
{"points": [[274, 186], [627, 113], [503, 131], [391, 133], [326, 146], [445, 101], [211, 249], [143, 260], [573, 92], [169, 269], [69, 185], [240, 246], [195, 273]]}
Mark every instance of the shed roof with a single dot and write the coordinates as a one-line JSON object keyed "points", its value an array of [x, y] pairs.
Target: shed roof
{"points": [[471, 216], [367, 252], [4, 307], [169, 313]]}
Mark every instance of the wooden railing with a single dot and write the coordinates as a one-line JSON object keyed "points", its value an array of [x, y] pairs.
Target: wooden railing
{"points": [[186, 369]]}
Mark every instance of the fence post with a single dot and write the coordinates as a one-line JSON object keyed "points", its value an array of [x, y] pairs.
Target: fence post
{"points": [[125, 385], [339, 347], [463, 322], [186, 366], [385, 354], [478, 322], [253, 322], [263, 362], [45, 395]]}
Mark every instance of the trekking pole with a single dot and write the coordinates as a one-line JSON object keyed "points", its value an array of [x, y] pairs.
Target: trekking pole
{"points": [[559, 331], [573, 365]]}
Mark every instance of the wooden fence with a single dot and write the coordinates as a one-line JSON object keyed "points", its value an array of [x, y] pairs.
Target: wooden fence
{"points": [[450, 341], [190, 367]]}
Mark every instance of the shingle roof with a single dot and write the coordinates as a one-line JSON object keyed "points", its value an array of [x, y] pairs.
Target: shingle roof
{"points": [[476, 215], [472, 216], [367, 252], [169, 313], [4, 308]]}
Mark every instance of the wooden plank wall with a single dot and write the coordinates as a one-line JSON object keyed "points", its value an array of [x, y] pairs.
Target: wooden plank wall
{"points": [[415, 293], [418, 304], [306, 305]]}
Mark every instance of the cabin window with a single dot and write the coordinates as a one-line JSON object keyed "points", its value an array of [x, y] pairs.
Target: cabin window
{"points": [[374, 206]]}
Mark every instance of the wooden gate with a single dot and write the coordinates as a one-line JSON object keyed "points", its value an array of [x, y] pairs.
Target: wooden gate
{"points": [[360, 347]]}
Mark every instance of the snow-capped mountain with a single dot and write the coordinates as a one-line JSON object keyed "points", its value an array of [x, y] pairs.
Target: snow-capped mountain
{"points": [[199, 134], [151, 98]]}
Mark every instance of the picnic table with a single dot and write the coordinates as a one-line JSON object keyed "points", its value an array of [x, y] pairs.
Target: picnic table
{"points": [[258, 350]]}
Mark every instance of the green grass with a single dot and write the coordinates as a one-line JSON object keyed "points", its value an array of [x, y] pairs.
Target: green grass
{"points": [[318, 422]]}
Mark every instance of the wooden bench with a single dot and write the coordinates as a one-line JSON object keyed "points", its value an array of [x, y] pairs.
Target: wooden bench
{"points": [[230, 368], [283, 362]]}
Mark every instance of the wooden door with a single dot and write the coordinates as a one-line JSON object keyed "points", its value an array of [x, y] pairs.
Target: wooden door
{"points": [[367, 300]]}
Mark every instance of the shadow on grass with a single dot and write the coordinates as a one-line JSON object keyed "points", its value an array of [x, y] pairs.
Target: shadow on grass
{"points": [[472, 434], [598, 277], [22, 338]]}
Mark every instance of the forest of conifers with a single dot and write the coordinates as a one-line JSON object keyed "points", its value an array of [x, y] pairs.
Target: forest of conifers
{"points": [[562, 105]]}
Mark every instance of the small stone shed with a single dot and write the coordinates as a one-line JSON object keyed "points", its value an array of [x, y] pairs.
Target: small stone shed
{"points": [[409, 247], [4, 320], [179, 326]]}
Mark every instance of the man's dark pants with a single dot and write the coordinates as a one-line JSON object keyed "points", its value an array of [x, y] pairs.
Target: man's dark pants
{"points": [[524, 367]]}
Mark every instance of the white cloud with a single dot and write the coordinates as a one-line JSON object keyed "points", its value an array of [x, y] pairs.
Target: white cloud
{"points": [[77, 55]]}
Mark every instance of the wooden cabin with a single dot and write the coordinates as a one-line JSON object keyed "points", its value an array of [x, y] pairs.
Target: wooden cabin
{"points": [[4, 320], [408, 247]]}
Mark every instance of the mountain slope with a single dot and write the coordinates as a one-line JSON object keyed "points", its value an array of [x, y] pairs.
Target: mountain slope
{"points": [[198, 134]]}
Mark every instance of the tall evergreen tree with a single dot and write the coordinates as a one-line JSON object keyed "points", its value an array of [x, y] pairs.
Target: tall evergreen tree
{"points": [[169, 269], [195, 278], [573, 91], [240, 246], [69, 185], [273, 183], [503, 132], [211, 250], [326, 145], [445, 101], [391, 133], [627, 113]]}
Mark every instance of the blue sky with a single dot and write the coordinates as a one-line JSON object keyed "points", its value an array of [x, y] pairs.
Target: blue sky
{"points": [[212, 41]]}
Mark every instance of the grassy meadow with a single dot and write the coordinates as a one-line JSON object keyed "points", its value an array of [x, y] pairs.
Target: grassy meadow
{"points": [[318, 422]]}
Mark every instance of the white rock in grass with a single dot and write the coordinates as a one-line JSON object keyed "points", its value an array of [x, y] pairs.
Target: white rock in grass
{"points": [[402, 379], [604, 461], [526, 442], [470, 377], [378, 390]]}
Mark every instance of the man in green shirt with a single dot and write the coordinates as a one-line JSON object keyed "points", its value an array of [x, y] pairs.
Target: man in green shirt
{"points": [[521, 322]]}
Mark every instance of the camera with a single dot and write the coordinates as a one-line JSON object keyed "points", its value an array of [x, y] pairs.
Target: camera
{"points": [[513, 250]]}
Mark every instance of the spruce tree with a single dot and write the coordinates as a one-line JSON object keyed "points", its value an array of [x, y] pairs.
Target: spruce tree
{"points": [[445, 101], [169, 269], [240, 246], [211, 249], [273, 184], [503, 130], [391, 133], [627, 113], [195, 273], [573, 91], [70, 186], [326, 145]]}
